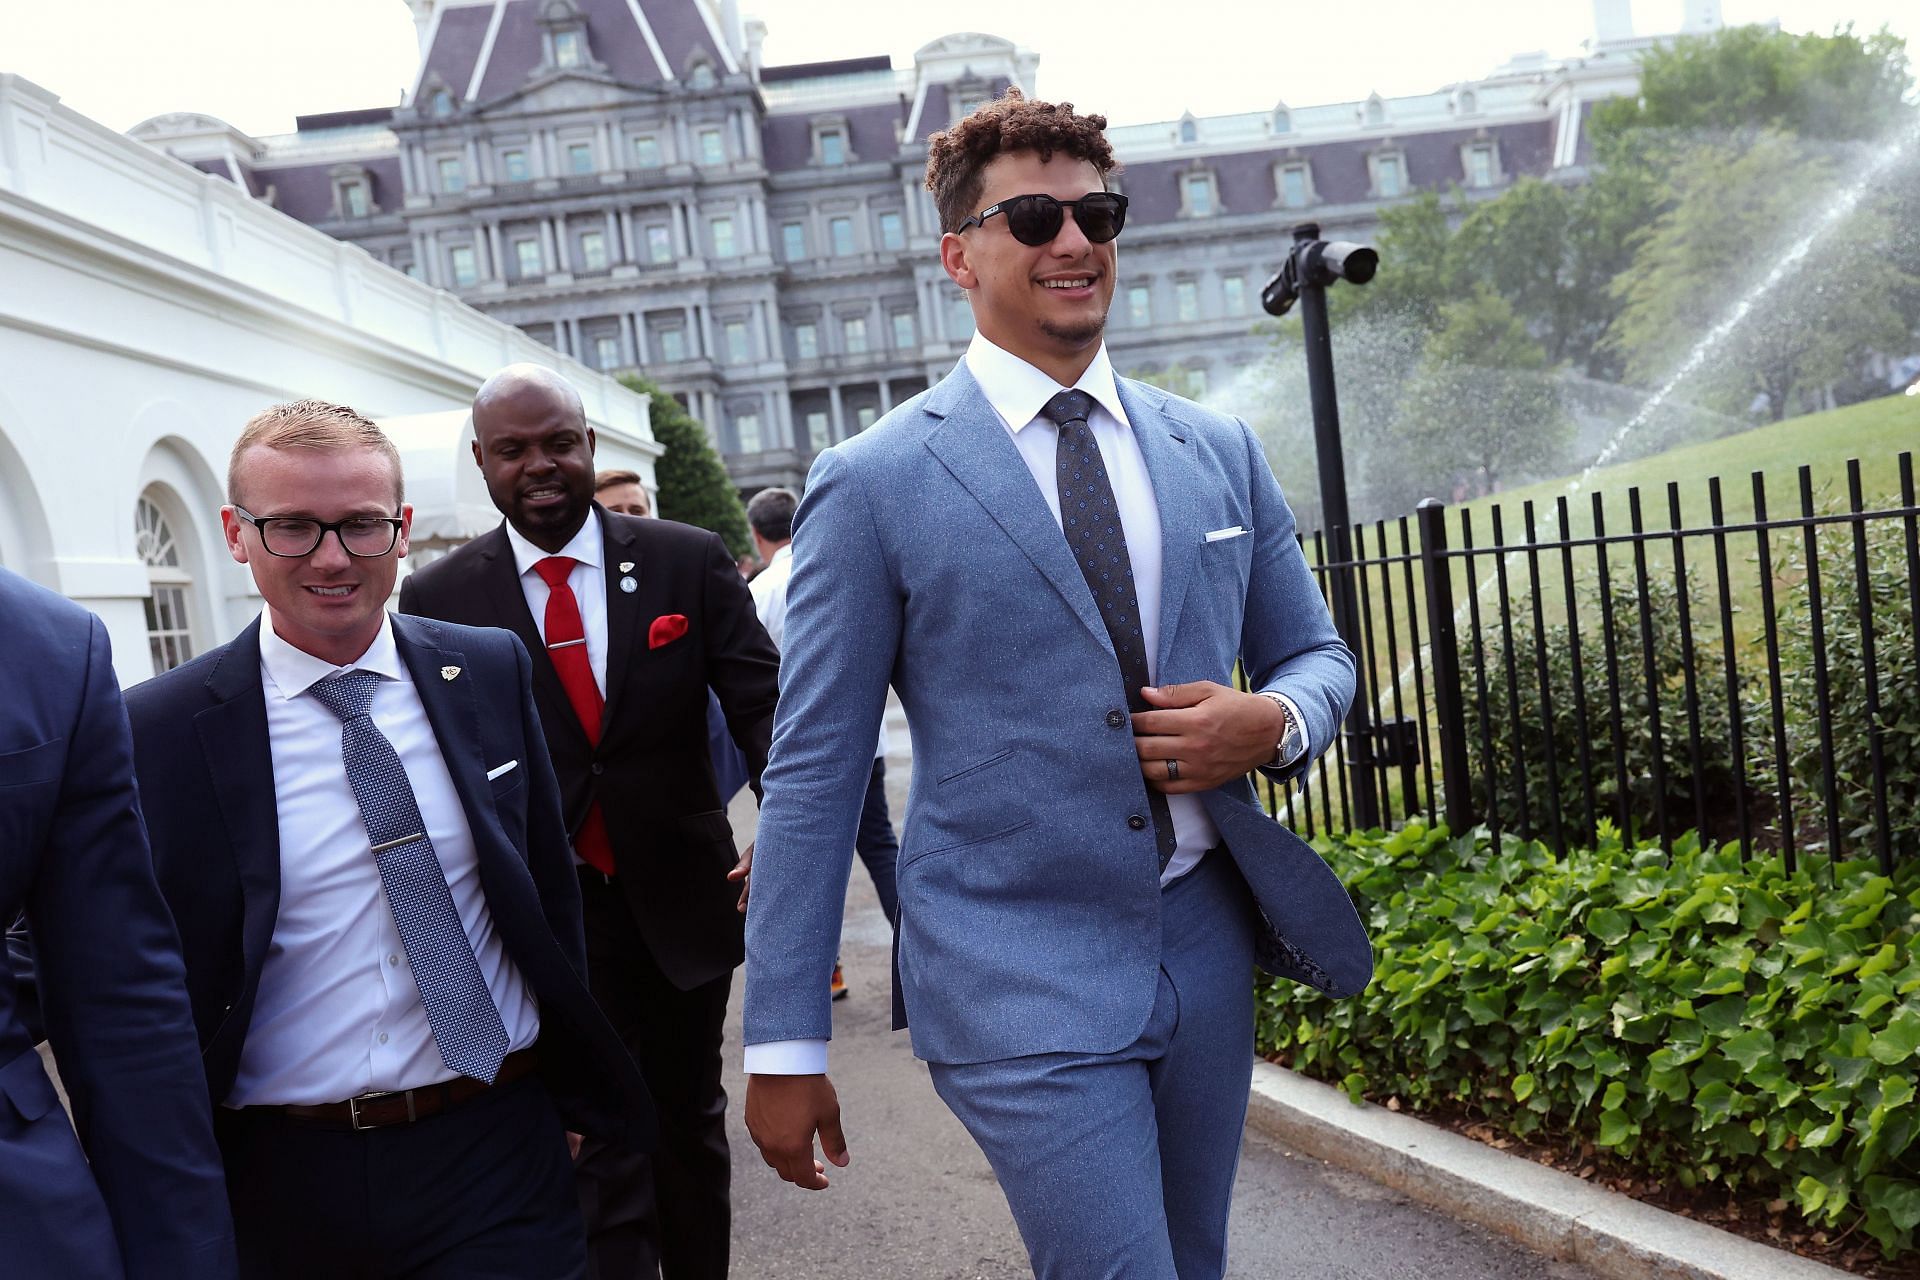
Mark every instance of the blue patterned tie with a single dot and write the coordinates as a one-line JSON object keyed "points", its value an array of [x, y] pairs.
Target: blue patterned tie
{"points": [[466, 1025], [1091, 520]]}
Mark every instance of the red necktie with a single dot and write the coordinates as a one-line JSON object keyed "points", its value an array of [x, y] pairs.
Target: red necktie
{"points": [[566, 639]]}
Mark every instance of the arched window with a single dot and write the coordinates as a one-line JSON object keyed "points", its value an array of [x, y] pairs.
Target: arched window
{"points": [[1376, 111], [1468, 102], [1189, 131], [702, 77], [169, 629], [1282, 120], [442, 103]]}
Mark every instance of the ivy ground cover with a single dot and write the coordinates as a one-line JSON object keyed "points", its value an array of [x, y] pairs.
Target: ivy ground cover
{"points": [[1711, 1022]]}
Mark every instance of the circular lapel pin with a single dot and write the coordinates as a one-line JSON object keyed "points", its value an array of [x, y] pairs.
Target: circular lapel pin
{"points": [[629, 586]]}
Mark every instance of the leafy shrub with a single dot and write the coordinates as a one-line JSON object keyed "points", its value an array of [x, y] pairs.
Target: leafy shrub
{"points": [[1522, 734], [1897, 665], [1709, 1021]]}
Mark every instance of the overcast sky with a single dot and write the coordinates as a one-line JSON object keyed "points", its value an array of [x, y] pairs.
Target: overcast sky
{"points": [[259, 63]]}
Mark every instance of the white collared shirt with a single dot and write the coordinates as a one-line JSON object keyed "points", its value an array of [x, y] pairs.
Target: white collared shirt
{"points": [[337, 1013], [769, 591], [1018, 391], [588, 579]]}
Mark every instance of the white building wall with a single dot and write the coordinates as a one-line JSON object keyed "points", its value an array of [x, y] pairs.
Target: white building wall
{"points": [[147, 311]]}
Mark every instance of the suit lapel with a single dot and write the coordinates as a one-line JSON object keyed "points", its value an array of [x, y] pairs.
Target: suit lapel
{"points": [[974, 446], [1174, 467], [500, 578], [453, 709], [623, 607], [239, 757]]}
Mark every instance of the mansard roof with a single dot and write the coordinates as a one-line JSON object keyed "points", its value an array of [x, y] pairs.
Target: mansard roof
{"points": [[872, 134]]}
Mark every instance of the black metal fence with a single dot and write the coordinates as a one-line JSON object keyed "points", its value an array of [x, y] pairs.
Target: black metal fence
{"points": [[1748, 676]]}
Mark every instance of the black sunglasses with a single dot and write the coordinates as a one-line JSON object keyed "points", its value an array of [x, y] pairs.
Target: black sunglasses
{"points": [[1036, 219]]}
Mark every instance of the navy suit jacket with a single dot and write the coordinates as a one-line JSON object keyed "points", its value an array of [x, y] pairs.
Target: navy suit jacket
{"points": [[926, 557], [201, 750], [73, 855]]}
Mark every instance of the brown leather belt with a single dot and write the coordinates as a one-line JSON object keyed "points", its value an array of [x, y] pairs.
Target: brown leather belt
{"points": [[380, 1110]]}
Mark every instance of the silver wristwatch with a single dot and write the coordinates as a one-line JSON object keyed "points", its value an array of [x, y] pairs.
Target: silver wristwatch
{"points": [[1291, 742]]}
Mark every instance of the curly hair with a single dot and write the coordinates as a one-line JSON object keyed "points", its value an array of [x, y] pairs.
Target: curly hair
{"points": [[956, 157]]}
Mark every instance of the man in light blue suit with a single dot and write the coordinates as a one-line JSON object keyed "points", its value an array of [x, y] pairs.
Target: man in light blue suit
{"points": [[1057, 570]]}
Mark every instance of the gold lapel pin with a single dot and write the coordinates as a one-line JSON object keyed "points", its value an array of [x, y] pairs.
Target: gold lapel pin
{"points": [[626, 566], [448, 673]]}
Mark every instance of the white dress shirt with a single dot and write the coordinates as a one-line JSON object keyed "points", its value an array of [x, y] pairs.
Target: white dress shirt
{"points": [[337, 1013], [769, 591], [588, 579], [1018, 391]]}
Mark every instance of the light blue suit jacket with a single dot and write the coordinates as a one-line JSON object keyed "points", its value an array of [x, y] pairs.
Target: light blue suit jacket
{"points": [[926, 557]]}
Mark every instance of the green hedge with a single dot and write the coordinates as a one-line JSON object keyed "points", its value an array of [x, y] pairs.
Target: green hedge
{"points": [[1708, 1021]]}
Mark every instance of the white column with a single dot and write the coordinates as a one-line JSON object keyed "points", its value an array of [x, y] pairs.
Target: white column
{"points": [[493, 252], [573, 338], [423, 267], [631, 253], [913, 209], [836, 429], [886, 395], [548, 259], [437, 270], [609, 158], [682, 231], [615, 250], [629, 351], [473, 163], [562, 258], [695, 347]]}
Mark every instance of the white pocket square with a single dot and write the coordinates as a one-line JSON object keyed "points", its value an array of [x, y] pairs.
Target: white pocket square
{"points": [[508, 767], [1221, 535]]}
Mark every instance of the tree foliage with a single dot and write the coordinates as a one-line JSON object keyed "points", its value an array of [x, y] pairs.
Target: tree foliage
{"points": [[694, 486]]}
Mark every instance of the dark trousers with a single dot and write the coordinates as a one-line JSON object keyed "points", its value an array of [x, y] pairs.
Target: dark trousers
{"points": [[875, 842], [668, 1214], [480, 1192]]}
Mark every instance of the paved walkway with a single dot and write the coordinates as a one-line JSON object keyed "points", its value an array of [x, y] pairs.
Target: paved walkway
{"points": [[918, 1201]]}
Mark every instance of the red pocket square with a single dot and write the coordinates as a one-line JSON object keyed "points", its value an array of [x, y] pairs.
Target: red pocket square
{"points": [[666, 628]]}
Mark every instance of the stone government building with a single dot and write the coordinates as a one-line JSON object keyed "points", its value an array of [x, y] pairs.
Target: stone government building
{"points": [[626, 182]]}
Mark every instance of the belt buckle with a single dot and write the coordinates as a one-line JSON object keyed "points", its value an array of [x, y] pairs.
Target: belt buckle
{"points": [[353, 1108]]}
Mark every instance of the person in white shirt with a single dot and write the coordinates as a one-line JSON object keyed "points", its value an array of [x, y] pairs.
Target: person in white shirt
{"points": [[1057, 570], [770, 518], [356, 825]]}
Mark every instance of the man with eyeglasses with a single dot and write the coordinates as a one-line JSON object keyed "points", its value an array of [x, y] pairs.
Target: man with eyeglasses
{"points": [[1058, 570], [357, 827]]}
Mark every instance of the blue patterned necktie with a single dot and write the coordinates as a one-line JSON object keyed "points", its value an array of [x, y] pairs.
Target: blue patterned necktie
{"points": [[1091, 520], [466, 1024]]}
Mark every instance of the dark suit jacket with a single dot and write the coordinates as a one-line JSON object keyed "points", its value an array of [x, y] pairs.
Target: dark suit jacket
{"points": [[74, 855], [201, 750], [651, 772]]}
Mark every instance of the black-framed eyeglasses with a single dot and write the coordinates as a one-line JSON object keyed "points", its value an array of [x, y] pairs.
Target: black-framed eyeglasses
{"points": [[292, 537], [1036, 219]]}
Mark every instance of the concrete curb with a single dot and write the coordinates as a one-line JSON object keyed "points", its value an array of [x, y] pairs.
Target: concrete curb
{"points": [[1555, 1213]]}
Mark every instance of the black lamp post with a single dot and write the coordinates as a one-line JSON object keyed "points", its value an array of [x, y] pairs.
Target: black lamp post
{"points": [[1311, 266]]}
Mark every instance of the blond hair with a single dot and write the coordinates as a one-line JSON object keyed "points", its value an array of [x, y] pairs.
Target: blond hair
{"points": [[312, 424]]}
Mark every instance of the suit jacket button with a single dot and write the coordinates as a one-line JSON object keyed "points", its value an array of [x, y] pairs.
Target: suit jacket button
{"points": [[1136, 822], [598, 768], [1116, 719]]}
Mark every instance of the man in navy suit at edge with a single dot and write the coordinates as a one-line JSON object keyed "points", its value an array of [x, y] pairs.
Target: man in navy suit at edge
{"points": [[356, 824], [146, 1199], [1057, 569]]}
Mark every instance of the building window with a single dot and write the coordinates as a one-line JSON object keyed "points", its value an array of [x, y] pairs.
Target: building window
{"points": [[864, 416], [513, 164], [713, 149], [673, 344], [702, 76], [903, 336], [442, 103], [1388, 179], [853, 331], [606, 353], [453, 178], [1233, 292], [646, 151], [1186, 300], [1139, 305], [793, 241], [746, 429], [593, 251], [169, 631], [465, 273], [526, 256], [723, 246], [817, 437], [567, 49], [580, 157], [1468, 102], [659, 244], [1376, 112], [736, 335], [1198, 191], [1189, 132], [833, 147], [353, 199], [841, 230], [893, 233], [1481, 170], [806, 341], [1282, 120], [1296, 187]]}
